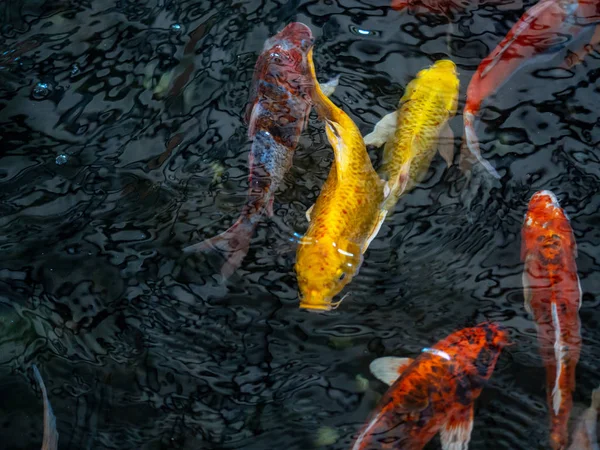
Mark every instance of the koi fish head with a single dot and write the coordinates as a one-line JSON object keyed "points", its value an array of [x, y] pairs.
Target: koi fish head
{"points": [[475, 349], [546, 230], [286, 52], [323, 269]]}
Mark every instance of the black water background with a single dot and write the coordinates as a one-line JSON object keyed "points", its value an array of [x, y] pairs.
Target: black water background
{"points": [[142, 349]]}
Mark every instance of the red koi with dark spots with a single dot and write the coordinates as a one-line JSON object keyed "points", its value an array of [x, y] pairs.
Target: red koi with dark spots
{"points": [[277, 113], [433, 393], [553, 296]]}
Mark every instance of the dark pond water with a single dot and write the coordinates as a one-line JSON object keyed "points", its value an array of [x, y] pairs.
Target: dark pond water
{"points": [[122, 141]]}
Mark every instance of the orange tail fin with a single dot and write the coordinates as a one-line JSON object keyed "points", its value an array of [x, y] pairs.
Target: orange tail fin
{"points": [[233, 244]]}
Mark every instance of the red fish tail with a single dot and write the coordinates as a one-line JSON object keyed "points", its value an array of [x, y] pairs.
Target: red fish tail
{"points": [[233, 244]]}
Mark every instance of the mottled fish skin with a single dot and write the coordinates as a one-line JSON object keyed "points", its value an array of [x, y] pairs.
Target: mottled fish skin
{"points": [[544, 27], [345, 215], [553, 296], [277, 113], [435, 393], [429, 102]]}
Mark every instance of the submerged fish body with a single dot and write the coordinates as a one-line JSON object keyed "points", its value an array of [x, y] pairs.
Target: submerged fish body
{"points": [[585, 436], [345, 216], [443, 7], [433, 393], [277, 113], [553, 296], [546, 26], [418, 129], [50, 441]]}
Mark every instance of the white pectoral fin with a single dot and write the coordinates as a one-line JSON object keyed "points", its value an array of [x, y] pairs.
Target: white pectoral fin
{"points": [[389, 368], [375, 230], [456, 432], [308, 212], [384, 130], [446, 144], [328, 88]]}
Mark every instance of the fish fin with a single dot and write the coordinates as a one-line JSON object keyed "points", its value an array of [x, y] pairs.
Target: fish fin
{"points": [[50, 433], [446, 144], [270, 207], [383, 131], [559, 354], [596, 399], [456, 432], [328, 88], [389, 368], [375, 230], [403, 178], [335, 138], [471, 148], [527, 294], [308, 212], [233, 244], [253, 118]]}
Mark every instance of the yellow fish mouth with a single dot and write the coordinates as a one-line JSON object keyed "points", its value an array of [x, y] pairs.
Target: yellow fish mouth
{"points": [[315, 302]]}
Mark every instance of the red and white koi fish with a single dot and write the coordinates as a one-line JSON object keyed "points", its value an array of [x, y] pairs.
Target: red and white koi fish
{"points": [[277, 113], [433, 393], [546, 26], [553, 296], [585, 436], [50, 441]]}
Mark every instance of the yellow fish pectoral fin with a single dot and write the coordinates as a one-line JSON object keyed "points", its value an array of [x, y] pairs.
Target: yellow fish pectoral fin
{"points": [[384, 130], [446, 144], [328, 88], [308, 212], [334, 133], [375, 230]]}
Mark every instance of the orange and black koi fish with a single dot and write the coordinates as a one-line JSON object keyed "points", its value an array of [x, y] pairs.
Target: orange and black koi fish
{"points": [[433, 393], [277, 113], [50, 441], [545, 28], [553, 296]]}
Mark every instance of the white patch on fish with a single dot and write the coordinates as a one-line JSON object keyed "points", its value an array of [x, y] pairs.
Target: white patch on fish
{"points": [[559, 354]]}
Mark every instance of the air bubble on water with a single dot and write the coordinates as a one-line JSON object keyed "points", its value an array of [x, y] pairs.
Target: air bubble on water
{"points": [[176, 27], [61, 159], [75, 70], [40, 91]]}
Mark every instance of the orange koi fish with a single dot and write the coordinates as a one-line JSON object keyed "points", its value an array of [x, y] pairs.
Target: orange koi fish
{"points": [[546, 26], [50, 440], [277, 113], [585, 436], [346, 215], [553, 296], [433, 393]]}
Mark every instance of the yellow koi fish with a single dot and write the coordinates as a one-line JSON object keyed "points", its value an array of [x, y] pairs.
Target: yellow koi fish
{"points": [[346, 215], [419, 128]]}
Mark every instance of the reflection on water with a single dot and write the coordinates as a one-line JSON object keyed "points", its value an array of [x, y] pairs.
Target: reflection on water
{"points": [[123, 141]]}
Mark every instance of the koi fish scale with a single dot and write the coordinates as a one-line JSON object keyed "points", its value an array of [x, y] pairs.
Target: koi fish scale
{"points": [[553, 295], [434, 392]]}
